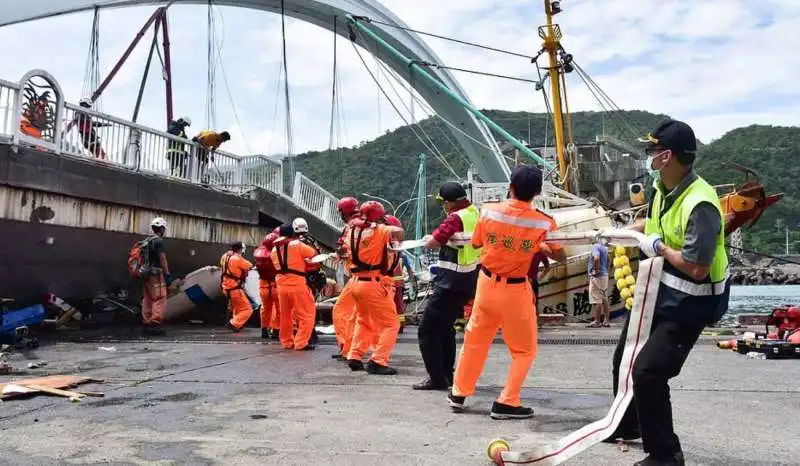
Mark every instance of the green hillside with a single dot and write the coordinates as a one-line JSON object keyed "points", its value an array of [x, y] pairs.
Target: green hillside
{"points": [[387, 166]]}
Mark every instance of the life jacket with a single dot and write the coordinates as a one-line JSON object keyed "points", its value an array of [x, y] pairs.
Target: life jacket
{"points": [[139, 259], [358, 264], [282, 252], [264, 265], [226, 273]]}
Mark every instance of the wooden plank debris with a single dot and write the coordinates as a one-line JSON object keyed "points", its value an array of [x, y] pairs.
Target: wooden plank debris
{"points": [[55, 384]]}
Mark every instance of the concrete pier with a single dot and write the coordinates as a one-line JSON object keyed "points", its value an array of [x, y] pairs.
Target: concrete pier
{"points": [[178, 401]]}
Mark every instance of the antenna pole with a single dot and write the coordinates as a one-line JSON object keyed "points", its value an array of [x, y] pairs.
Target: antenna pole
{"points": [[551, 34]]}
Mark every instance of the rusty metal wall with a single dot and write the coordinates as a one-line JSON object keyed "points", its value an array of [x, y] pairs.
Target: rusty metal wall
{"points": [[39, 207]]}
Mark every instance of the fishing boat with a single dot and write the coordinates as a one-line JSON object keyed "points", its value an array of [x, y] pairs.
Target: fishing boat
{"points": [[564, 290]]}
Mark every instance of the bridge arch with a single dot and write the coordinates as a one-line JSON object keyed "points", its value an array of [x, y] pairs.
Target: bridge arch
{"points": [[488, 163]]}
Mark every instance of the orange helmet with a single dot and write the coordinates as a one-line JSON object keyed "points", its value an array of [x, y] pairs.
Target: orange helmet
{"points": [[347, 206], [372, 211], [393, 221], [269, 240]]}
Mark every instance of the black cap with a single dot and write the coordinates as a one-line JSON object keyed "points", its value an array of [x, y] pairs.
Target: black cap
{"points": [[673, 135], [526, 181], [452, 191], [237, 246]]}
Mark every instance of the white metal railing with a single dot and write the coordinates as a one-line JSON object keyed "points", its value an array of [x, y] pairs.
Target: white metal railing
{"points": [[8, 95], [315, 199], [82, 132]]}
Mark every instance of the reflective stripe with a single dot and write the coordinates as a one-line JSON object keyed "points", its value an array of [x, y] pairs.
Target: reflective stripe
{"points": [[457, 268], [516, 221], [694, 289]]}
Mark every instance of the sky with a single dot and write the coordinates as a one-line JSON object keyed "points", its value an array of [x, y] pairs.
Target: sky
{"points": [[717, 64]]}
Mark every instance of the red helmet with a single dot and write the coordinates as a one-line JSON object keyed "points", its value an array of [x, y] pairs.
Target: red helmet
{"points": [[372, 211], [269, 240], [277, 231], [393, 221], [348, 206]]}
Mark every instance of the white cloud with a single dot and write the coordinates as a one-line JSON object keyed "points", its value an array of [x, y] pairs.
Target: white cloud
{"points": [[717, 64]]}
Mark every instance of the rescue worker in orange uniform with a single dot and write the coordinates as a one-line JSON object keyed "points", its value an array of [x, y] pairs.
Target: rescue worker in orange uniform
{"points": [[267, 288], [154, 293], [510, 233], [290, 258], [375, 311], [234, 273], [344, 311], [395, 274]]}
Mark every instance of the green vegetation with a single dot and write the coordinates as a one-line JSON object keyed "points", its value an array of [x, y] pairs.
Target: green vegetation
{"points": [[387, 166]]}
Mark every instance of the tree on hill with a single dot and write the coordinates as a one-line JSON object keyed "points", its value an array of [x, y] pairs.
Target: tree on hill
{"points": [[387, 166]]}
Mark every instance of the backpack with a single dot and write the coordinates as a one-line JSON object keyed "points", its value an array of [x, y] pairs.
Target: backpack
{"points": [[139, 259]]}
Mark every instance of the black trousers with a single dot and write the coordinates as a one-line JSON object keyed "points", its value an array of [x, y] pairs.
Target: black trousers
{"points": [[437, 337], [660, 359]]}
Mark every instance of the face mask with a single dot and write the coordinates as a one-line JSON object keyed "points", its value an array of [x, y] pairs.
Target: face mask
{"points": [[243, 250], [655, 173]]}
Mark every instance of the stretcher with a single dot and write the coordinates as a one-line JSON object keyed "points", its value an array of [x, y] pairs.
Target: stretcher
{"points": [[647, 284]]}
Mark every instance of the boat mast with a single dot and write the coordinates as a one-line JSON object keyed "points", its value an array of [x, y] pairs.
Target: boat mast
{"points": [[551, 34]]}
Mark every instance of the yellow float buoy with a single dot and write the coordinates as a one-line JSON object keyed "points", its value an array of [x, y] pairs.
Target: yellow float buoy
{"points": [[621, 283], [626, 270], [625, 293], [624, 261], [629, 304], [618, 273], [619, 251], [617, 262], [630, 280]]}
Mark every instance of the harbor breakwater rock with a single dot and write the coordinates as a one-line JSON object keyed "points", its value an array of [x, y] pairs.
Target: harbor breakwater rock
{"points": [[763, 276]]}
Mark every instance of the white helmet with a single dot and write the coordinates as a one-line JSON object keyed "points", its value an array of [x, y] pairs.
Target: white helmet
{"points": [[86, 102], [186, 120], [158, 222], [299, 225]]}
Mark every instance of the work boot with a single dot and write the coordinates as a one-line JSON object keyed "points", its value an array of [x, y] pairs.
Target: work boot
{"points": [[152, 330], [338, 357], [504, 411], [308, 348], [233, 329], [676, 460], [379, 369], [275, 334], [456, 402], [430, 384], [355, 365], [265, 333]]}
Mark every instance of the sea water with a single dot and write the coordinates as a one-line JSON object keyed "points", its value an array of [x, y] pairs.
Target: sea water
{"points": [[759, 299]]}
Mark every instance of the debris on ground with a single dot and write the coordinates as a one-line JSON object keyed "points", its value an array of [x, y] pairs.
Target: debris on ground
{"points": [[37, 364], [107, 348], [53, 385]]}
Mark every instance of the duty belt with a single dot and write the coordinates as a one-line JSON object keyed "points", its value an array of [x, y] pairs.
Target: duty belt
{"points": [[500, 278]]}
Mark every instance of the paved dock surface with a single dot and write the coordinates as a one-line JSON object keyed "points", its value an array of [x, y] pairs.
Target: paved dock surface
{"points": [[185, 400]]}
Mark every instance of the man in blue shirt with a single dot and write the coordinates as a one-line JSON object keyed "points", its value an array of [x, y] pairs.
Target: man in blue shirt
{"points": [[598, 284]]}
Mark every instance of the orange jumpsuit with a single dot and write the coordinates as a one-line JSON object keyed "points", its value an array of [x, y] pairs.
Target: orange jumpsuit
{"points": [[344, 311], [375, 310], [270, 310], [154, 300], [510, 233], [234, 273], [294, 295]]}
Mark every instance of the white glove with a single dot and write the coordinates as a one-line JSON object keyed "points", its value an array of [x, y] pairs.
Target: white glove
{"points": [[649, 245]]}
